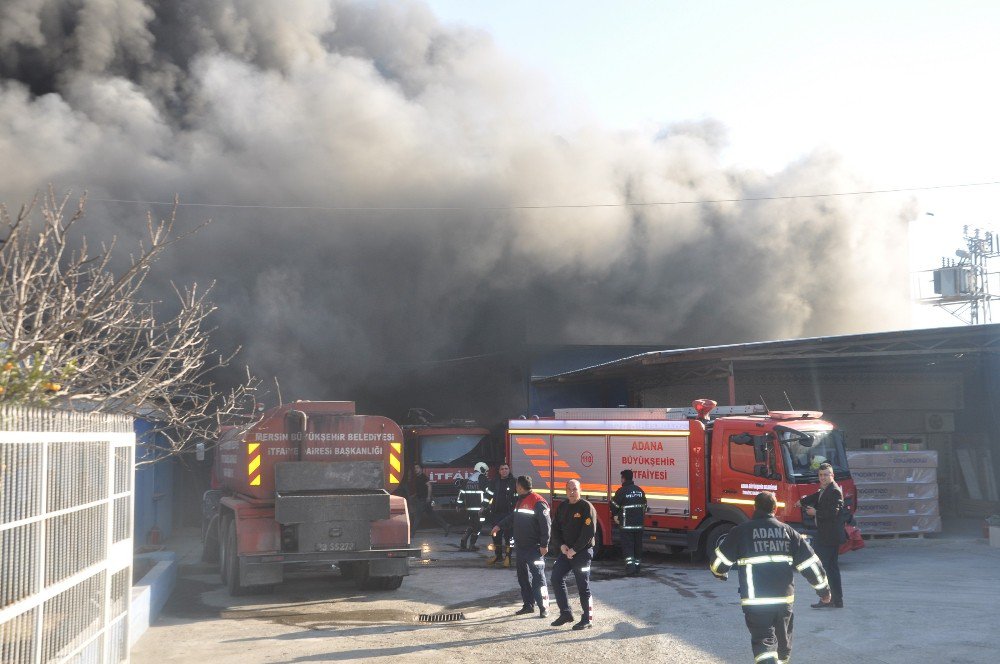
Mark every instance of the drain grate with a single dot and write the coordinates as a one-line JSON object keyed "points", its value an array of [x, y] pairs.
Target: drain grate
{"points": [[441, 617]]}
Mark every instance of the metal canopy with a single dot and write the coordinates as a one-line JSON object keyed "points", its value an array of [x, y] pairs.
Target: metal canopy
{"points": [[899, 350]]}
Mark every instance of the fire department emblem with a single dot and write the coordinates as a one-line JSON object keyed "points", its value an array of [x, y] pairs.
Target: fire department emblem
{"points": [[587, 459]]}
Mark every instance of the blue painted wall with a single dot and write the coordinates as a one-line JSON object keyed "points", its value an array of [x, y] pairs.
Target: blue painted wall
{"points": [[154, 484], [560, 359]]}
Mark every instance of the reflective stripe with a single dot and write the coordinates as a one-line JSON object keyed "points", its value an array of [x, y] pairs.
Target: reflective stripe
{"points": [[765, 656], [585, 569], [524, 511], [807, 562], [715, 566], [821, 586], [628, 507], [764, 559], [751, 591], [540, 563], [743, 501], [632, 527], [757, 601], [718, 554]]}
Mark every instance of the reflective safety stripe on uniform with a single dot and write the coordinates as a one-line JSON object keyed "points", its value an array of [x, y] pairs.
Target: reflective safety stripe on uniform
{"points": [[751, 591], [766, 657], [763, 601], [756, 560], [524, 511], [720, 559]]}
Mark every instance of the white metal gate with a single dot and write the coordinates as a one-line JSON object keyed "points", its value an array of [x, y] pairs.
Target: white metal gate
{"points": [[65, 536]]}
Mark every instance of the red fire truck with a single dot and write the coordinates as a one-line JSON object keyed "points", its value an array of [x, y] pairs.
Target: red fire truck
{"points": [[308, 486], [700, 467], [447, 451]]}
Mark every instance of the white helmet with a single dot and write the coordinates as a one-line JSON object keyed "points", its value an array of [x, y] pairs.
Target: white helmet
{"points": [[817, 460], [481, 467]]}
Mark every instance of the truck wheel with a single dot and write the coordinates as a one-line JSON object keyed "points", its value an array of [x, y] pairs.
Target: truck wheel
{"points": [[223, 551], [210, 543], [365, 582], [391, 582], [232, 562], [715, 535], [600, 551]]}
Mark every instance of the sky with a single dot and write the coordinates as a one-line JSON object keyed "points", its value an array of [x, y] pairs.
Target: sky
{"points": [[904, 91]]}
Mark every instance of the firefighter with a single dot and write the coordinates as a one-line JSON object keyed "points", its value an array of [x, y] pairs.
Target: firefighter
{"points": [[573, 529], [628, 507], [471, 502], [768, 552], [531, 525], [501, 495]]}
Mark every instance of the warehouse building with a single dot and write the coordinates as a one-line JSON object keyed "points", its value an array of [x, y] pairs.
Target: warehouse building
{"points": [[936, 389]]}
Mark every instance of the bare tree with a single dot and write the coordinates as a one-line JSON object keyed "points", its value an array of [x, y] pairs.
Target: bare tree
{"points": [[78, 331]]}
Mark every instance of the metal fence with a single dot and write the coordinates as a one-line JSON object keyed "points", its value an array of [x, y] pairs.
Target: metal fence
{"points": [[65, 536]]}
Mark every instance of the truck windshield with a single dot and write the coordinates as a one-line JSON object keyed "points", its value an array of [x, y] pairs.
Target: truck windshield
{"points": [[456, 450], [803, 460]]}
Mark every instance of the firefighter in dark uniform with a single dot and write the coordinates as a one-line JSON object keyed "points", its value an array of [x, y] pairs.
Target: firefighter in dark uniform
{"points": [[628, 508], [471, 502], [573, 529], [501, 494], [768, 552], [531, 526]]}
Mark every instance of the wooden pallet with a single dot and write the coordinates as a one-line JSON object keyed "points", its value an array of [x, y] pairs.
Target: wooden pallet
{"points": [[874, 536]]}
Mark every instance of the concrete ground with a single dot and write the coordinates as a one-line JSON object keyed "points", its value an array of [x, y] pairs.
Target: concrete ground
{"points": [[907, 601]]}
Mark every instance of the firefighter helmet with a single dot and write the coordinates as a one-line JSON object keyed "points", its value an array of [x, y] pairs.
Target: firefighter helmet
{"points": [[481, 467]]}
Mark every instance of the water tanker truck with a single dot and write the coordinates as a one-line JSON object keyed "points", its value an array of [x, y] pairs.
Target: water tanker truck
{"points": [[308, 486]]}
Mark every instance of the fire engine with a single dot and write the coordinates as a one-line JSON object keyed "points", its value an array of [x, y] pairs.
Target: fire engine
{"points": [[308, 486], [447, 451], [700, 466]]}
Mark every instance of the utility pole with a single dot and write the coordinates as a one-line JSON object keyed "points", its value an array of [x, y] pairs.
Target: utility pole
{"points": [[961, 287]]}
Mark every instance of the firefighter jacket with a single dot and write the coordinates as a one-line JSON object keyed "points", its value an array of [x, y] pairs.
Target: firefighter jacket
{"points": [[829, 503], [575, 525], [529, 520], [471, 497], [768, 553], [501, 496], [629, 505]]}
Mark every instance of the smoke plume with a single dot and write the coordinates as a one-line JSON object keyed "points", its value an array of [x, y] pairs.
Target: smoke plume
{"points": [[382, 169]]}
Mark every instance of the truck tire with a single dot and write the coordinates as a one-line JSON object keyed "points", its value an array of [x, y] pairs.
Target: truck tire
{"points": [[231, 562], [223, 550], [600, 550], [366, 582], [210, 541], [714, 536]]}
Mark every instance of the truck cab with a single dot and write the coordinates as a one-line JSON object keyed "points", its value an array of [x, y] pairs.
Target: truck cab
{"points": [[447, 451], [779, 451]]}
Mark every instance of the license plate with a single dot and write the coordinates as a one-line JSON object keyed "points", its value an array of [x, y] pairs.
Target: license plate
{"points": [[335, 546]]}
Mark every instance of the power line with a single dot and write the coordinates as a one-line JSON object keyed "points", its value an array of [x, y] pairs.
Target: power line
{"points": [[558, 206]]}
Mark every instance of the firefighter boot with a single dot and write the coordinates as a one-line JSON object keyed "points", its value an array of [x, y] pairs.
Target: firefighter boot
{"points": [[563, 619], [472, 542], [583, 624]]}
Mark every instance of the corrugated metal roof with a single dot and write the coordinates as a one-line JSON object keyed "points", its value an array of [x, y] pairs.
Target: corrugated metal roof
{"points": [[900, 346]]}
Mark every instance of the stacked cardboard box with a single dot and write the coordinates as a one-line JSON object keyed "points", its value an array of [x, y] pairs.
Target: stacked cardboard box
{"points": [[897, 491]]}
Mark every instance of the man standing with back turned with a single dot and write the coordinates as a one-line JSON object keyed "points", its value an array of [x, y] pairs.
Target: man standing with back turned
{"points": [[628, 507], [573, 530], [531, 525], [767, 552]]}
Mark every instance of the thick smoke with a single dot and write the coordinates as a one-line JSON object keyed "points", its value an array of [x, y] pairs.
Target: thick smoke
{"points": [[376, 105]]}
